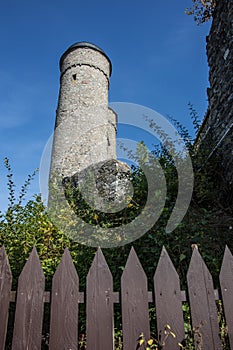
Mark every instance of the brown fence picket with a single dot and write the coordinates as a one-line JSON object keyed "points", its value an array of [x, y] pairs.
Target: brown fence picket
{"points": [[5, 293], [64, 306], [202, 303], [99, 305], [134, 299], [226, 282], [169, 314], [29, 306], [100, 298]]}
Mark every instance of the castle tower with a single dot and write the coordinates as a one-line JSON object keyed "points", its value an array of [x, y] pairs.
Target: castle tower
{"points": [[85, 128]]}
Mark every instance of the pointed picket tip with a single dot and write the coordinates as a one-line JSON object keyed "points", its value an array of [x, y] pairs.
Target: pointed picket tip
{"points": [[66, 267], [4, 263], [3, 254], [66, 256], [196, 260], [5, 270], [99, 253], [166, 274], [164, 256], [4, 257], [227, 265], [3, 250], [99, 256], [195, 249], [132, 256], [34, 255], [133, 268], [226, 257], [132, 251], [164, 252], [227, 252], [99, 264], [198, 266], [33, 266], [99, 270], [165, 264]]}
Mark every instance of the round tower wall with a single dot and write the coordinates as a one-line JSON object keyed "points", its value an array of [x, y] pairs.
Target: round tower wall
{"points": [[85, 129]]}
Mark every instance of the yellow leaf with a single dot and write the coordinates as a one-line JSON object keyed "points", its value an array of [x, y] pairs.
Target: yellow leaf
{"points": [[96, 217], [173, 334], [129, 205], [168, 326], [141, 341], [150, 342]]}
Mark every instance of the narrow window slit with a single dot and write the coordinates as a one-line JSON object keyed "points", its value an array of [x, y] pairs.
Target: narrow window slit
{"points": [[74, 76]]}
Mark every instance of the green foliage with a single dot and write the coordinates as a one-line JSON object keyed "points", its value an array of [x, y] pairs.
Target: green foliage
{"points": [[24, 226], [96, 217], [207, 224], [153, 343], [191, 333]]}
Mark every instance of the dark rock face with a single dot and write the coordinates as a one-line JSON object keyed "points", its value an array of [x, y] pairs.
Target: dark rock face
{"points": [[220, 58], [216, 133], [105, 186]]}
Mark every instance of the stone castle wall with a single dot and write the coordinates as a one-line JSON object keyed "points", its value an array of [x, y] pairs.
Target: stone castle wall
{"points": [[216, 133]]}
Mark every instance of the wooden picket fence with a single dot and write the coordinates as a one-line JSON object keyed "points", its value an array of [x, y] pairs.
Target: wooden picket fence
{"points": [[134, 297]]}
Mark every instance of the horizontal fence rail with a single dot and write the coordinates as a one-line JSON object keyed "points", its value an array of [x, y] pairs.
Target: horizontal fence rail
{"points": [[65, 297]]}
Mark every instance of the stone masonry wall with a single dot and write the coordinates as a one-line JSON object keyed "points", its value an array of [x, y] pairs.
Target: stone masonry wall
{"points": [[216, 133]]}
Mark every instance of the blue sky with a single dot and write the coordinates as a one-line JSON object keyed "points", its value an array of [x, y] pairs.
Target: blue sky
{"points": [[157, 52]]}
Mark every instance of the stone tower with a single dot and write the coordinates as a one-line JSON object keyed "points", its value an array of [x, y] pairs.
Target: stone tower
{"points": [[85, 128], [84, 142]]}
